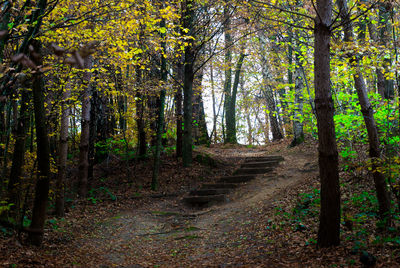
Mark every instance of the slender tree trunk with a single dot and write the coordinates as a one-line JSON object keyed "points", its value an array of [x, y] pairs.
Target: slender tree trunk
{"points": [[298, 134], [4, 21], [329, 226], [63, 154], [214, 129], [14, 182], [141, 136], [85, 132], [43, 156], [384, 36], [95, 113], [268, 92], [160, 119], [188, 16], [290, 58], [122, 109], [201, 134], [140, 123], [231, 106], [230, 126], [368, 114], [384, 85], [178, 109], [247, 108], [7, 135]]}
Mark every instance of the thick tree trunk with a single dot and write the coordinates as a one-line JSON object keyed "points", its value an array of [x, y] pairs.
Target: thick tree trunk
{"points": [[368, 114], [63, 154], [43, 156], [85, 132], [188, 16], [329, 226]]}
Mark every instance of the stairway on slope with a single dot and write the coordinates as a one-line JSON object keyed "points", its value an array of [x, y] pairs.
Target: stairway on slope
{"points": [[216, 193]]}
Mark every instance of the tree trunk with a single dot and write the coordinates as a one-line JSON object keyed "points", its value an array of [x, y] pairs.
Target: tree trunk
{"points": [[63, 154], [188, 16], [160, 119], [368, 114], [200, 133], [141, 135], [178, 109], [214, 129], [43, 156], [4, 21], [329, 226], [7, 132], [14, 187], [231, 106], [298, 134], [85, 132], [229, 121], [384, 36], [384, 85], [268, 92]]}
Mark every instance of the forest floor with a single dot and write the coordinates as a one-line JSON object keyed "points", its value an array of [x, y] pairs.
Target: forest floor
{"points": [[271, 221]]}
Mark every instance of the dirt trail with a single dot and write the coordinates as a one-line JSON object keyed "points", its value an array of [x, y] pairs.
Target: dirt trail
{"points": [[166, 234]]}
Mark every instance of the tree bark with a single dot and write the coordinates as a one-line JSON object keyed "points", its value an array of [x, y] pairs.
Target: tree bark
{"points": [[141, 135], [14, 187], [178, 109], [214, 129], [329, 226], [85, 132], [188, 16], [229, 132], [43, 155], [231, 106], [298, 134], [160, 119], [63, 154]]}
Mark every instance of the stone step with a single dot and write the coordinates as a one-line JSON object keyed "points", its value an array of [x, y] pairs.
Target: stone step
{"points": [[260, 164], [264, 158], [204, 201], [220, 186], [237, 179], [252, 171], [203, 192]]}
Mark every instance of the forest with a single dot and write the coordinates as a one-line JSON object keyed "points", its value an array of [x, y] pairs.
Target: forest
{"points": [[198, 133]]}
